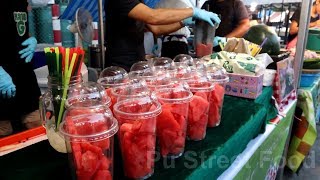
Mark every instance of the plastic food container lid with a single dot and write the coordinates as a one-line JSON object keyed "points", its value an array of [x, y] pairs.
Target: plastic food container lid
{"points": [[113, 76], [183, 58], [91, 121], [167, 95], [140, 66], [137, 88], [217, 73], [200, 83], [89, 91], [162, 62], [137, 108]]}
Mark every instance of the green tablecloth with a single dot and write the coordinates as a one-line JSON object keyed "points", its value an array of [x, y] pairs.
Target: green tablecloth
{"points": [[242, 120]]}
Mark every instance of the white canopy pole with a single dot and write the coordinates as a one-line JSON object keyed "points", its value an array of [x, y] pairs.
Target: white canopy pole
{"points": [[101, 32]]}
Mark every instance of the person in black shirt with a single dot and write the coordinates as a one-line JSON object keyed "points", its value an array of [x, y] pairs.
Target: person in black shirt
{"points": [[126, 21], [314, 20], [234, 17], [20, 103]]}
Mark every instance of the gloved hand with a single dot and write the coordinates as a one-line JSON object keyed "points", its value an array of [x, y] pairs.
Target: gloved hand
{"points": [[155, 48], [207, 16], [218, 39], [7, 88], [188, 21], [27, 52]]}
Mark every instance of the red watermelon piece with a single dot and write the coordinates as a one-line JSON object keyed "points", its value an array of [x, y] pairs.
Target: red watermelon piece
{"points": [[137, 141], [103, 175], [89, 162], [203, 49], [197, 118], [171, 127], [216, 102]]}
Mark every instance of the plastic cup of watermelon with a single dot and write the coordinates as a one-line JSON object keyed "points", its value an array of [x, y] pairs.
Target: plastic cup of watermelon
{"points": [[198, 113], [172, 121], [89, 133], [113, 76], [136, 89], [219, 77], [137, 135]]}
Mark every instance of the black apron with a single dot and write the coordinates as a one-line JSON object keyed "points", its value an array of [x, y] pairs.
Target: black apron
{"points": [[14, 21]]}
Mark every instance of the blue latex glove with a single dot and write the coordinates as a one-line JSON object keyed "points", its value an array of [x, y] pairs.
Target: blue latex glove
{"points": [[27, 52], [206, 16], [188, 21], [7, 88], [155, 49], [218, 39]]}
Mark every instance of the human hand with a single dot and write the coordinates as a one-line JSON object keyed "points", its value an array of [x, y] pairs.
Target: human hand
{"points": [[28, 52], [318, 23], [7, 88], [218, 40], [206, 16], [188, 21]]}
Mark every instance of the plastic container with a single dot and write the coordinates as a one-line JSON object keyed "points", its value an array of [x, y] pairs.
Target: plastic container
{"points": [[137, 119], [204, 35], [140, 66], [113, 76], [53, 104], [309, 77], [198, 113], [183, 58], [217, 75], [313, 42], [89, 131], [172, 122], [161, 63], [136, 89]]}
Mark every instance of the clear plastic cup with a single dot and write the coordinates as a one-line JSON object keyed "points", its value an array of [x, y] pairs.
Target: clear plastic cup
{"points": [[172, 121], [217, 75], [198, 114], [89, 131], [137, 88], [204, 35], [113, 76], [137, 135]]}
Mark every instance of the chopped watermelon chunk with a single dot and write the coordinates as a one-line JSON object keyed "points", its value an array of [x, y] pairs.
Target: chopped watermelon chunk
{"points": [[171, 129], [90, 160], [103, 175], [216, 102], [203, 49], [197, 118], [137, 142]]}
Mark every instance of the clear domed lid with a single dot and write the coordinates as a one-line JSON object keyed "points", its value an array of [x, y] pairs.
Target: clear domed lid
{"points": [[133, 90], [88, 121], [140, 66], [113, 76], [217, 73], [88, 91], [162, 62], [183, 58]]}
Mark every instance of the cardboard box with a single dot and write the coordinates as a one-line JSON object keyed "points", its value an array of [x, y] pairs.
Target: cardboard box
{"points": [[244, 85]]}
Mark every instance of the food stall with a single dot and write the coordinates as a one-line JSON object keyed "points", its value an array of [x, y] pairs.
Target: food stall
{"points": [[231, 150]]}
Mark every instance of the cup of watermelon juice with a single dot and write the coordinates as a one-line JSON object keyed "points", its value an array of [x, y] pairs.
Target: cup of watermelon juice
{"points": [[172, 121], [137, 135], [89, 135], [219, 77], [198, 113]]}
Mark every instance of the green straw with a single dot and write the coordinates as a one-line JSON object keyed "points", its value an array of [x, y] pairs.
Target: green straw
{"points": [[67, 81]]}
